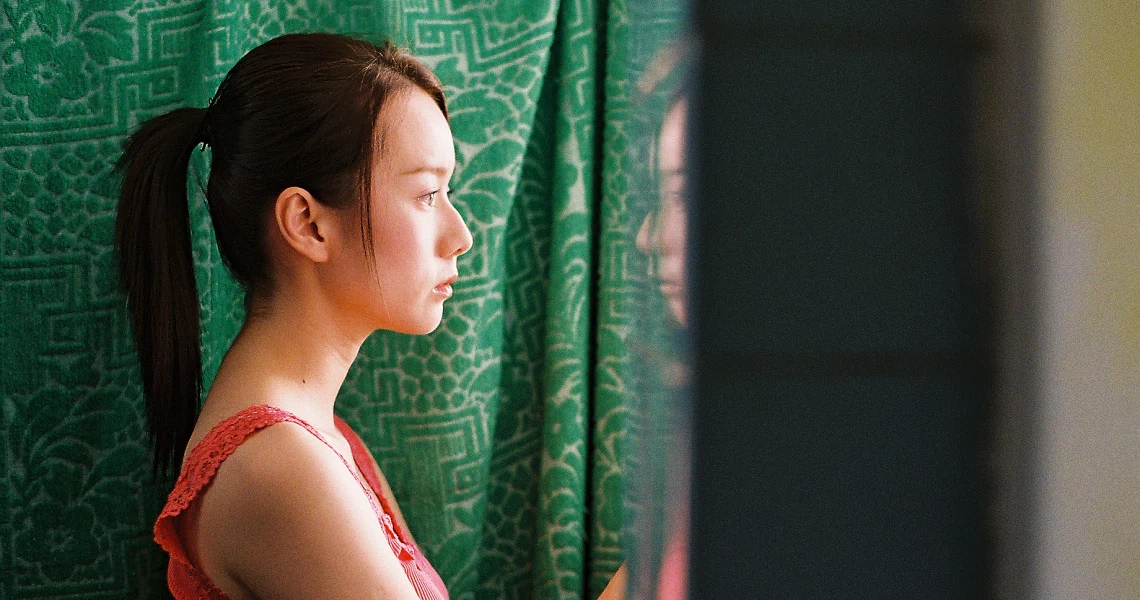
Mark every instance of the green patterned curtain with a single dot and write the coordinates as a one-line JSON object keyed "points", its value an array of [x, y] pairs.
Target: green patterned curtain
{"points": [[502, 433]]}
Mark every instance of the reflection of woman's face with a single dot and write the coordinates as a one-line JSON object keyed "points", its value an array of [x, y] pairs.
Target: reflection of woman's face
{"points": [[663, 233]]}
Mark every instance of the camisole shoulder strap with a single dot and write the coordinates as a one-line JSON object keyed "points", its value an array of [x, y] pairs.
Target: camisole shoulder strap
{"points": [[364, 463], [421, 574]]}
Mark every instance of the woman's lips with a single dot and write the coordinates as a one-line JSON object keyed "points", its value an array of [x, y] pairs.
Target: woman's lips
{"points": [[670, 288], [444, 289]]}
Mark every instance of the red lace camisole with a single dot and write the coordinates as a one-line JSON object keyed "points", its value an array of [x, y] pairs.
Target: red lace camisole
{"points": [[188, 583]]}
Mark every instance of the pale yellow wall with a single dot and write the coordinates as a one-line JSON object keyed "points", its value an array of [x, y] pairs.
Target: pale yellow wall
{"points": [[1090, 467]]}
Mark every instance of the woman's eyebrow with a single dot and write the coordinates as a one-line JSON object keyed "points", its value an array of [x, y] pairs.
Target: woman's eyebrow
{"points": [[440, 170]]}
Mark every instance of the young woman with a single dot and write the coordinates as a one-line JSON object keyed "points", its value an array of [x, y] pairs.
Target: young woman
{"points": [[328, 192]]}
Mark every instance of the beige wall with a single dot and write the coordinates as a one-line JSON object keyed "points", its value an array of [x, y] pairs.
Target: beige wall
{"points": [[1090, 461]]}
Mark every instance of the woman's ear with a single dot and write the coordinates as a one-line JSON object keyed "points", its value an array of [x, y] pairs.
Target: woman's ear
{"points": [[301, 221]]}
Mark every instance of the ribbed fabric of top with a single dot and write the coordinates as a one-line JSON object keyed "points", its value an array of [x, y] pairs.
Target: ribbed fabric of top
{"points": [[188, 583]]}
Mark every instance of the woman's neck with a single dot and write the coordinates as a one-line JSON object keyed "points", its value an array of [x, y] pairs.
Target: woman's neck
{"points": [[290, 356]]}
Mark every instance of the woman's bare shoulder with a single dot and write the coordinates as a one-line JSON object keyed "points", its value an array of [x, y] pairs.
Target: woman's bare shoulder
{"points": [[274, 468], [284, 517]]}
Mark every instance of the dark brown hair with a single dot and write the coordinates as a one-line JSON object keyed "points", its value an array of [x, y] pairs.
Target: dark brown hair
{"points": [[299, 110]]}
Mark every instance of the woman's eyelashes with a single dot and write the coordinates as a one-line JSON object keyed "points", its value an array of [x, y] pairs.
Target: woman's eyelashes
{"points": [[430, 197]]}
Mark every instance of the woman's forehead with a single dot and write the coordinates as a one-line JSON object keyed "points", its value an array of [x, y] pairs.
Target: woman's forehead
{"points": [[414, 135]]}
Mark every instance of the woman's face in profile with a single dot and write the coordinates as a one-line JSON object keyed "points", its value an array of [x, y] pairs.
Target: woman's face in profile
{"points": [[417, 233], [663, 234]]}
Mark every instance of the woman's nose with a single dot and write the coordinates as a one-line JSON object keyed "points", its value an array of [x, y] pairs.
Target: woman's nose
{"points": [[459, 240]]}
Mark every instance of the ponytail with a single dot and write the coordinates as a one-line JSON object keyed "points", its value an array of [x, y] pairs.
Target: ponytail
{"points": [[156, 269]]}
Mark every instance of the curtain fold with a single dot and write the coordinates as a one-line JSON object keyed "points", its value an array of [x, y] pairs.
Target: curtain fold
{"points": [[560, 551], [502, 434]]}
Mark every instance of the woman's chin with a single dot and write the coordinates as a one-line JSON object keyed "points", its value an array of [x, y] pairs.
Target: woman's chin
{"points": [[425, 320], [418, 327], [428, 330]]}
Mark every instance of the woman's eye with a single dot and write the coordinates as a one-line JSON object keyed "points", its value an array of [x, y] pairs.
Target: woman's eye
{"points": [[429, 199]]}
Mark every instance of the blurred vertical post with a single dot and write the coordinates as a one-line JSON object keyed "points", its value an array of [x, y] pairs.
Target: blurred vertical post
{"points": [[840, 337]]}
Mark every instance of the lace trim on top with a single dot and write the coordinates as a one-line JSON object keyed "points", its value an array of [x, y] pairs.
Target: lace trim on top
{"points": [[203, 463], [400, 542], [421, 574]]}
